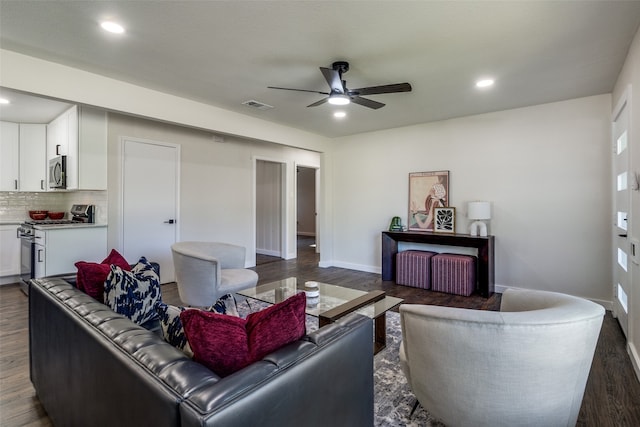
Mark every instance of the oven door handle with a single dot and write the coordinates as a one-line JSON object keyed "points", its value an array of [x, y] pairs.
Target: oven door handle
{"points": [[22, 236]]}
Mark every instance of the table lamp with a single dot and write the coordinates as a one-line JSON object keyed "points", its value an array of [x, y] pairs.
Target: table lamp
{"points": [[479, 211]]}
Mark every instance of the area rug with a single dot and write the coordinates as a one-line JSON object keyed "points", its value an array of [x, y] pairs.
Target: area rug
{"points": [[393, 399]]}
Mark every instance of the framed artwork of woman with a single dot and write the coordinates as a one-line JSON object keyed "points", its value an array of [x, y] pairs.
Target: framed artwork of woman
{"points": [[427, 190]]}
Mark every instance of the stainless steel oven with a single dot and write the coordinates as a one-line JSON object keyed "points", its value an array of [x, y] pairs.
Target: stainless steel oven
{"points": [[27, 247], [32, 246]]}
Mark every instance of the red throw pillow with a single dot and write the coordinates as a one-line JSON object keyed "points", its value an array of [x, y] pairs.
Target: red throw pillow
{"points": [[218, 341], [276, 326], [91, 275], [226, 344]]}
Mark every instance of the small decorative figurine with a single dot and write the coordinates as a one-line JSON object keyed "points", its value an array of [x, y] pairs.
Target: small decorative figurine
{"points": [[396, 224]]}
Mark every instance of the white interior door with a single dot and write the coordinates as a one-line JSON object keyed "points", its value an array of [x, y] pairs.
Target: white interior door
{"points": [[150, 202], [621, 273]]}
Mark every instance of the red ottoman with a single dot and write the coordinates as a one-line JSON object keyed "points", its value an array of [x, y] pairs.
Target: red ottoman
{"points": [[413, 268], [453, 274]]}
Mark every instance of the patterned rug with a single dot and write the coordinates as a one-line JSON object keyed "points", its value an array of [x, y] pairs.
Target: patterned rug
{"points": [[393, 400]]}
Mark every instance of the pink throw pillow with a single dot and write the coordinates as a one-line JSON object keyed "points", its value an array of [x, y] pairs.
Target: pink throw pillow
{"points": [[226, 344], [91, 275]]}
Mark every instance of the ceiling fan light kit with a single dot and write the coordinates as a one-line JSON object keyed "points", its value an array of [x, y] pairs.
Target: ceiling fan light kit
{"points": [[339, 100], [340, 95]]}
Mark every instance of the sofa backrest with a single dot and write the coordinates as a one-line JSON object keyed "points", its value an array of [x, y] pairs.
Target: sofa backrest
{"points": [[92, 366]]}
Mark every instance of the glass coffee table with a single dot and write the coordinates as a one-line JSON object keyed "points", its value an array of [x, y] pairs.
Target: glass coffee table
{"points": [[332, 303]]}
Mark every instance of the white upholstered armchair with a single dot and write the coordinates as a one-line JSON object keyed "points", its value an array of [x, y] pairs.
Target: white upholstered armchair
{"points": [[207, 270], [526, 365]]}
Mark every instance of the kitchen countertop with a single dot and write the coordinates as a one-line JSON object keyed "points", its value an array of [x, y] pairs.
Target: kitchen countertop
{"points": [[10, 222], [65, 226]]}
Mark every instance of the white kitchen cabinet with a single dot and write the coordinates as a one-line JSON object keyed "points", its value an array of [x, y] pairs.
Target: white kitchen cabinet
{"points": [[22, 157], [9, 156], [61, 248], [80, 133], [58, 136], [33, 157], [9, 251]]}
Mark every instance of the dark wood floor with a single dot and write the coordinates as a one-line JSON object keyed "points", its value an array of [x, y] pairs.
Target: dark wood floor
{"points": [[612, 396]]}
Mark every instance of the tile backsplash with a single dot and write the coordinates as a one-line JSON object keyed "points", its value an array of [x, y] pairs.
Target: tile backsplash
{"points": [[15, 206]]}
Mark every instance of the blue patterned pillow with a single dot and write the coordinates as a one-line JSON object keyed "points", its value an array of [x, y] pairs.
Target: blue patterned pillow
{"points": [[134, 293], [225, 305], [172, 330]]}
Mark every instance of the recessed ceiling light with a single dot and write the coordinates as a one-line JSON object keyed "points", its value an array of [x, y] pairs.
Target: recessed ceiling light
{"points": [[112, 27], [485, 83], [339, 114], [4, 101]]}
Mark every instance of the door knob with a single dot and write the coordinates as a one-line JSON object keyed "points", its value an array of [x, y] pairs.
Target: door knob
{"points": [[170, 221]]}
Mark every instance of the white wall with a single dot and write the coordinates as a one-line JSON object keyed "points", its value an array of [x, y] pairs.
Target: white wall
{"points": [[216, 184], [545, 169], [630, 75], [29, 74]]}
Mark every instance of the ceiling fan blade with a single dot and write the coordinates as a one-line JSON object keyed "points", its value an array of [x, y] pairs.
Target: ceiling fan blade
{"points": [[315, 104], [298, 90], [367, 102], [333, 78], [374, 90]]}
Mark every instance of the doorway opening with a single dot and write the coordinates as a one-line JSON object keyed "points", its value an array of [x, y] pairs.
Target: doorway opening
{"points": [[270, 211], [306, 207]]}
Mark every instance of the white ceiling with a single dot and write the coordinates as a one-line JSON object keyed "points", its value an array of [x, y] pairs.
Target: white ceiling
{"points": [[25, 108], [226, 52]]}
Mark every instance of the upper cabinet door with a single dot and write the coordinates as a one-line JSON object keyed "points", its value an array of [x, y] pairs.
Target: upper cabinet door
{"points": [[58, 136], [9, 156], [33, 157], [80, 133]]}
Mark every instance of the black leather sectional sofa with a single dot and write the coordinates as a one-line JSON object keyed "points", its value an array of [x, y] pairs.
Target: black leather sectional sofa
{"points": [[93, 367]]}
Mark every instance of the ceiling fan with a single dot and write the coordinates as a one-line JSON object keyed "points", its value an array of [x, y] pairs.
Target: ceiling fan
{"points": [[340, 95]]}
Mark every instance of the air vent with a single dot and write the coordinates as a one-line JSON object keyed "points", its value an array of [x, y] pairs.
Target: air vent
{"points": [[256, 104]]}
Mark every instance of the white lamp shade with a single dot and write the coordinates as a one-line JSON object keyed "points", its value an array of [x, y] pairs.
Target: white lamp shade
{"points": [[479, 210]]}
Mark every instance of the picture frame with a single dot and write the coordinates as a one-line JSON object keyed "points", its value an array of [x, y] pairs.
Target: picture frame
{"points": [[444, 220], [427, 190]]}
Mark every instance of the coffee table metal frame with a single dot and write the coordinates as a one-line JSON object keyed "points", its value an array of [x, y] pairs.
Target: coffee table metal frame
{"points": [[333, 303]]}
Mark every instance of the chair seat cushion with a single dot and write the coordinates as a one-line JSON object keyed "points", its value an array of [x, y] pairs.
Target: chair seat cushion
{"points": [[237, 279]]}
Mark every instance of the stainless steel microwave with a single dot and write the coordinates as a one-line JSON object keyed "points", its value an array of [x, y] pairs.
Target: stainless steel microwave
{"points": [[58, 172]]}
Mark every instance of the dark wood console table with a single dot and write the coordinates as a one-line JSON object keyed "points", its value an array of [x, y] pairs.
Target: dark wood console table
{"points": [[484, 245]]}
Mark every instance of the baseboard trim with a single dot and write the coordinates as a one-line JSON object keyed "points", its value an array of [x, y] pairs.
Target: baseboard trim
{"points": [[350, 266], [268, 252], [7, 280], [635, 358]]}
